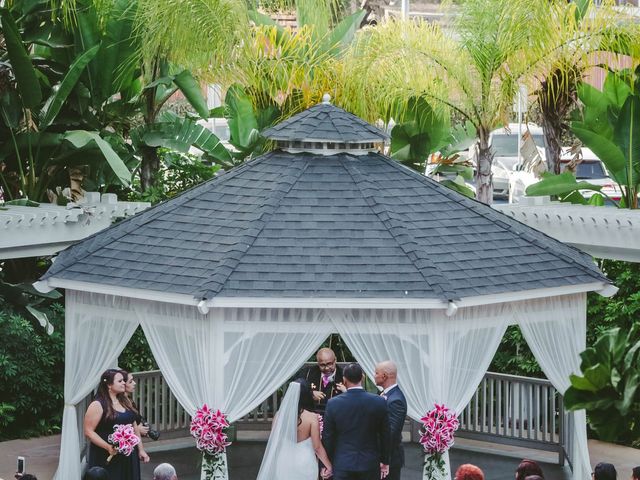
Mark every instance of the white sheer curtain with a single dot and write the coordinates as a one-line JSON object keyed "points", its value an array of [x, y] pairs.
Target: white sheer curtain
{"points": [[231, 359], [555, 329], [440, 359], [97, 328]]}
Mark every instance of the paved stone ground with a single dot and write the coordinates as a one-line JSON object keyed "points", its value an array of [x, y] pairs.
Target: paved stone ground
{"points": [[498, 461], [244, 461]]}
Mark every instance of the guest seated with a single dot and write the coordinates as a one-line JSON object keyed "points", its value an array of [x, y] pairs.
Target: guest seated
{"points": [[96, 473], [604, 471], [469, 472], [635, 473], [533, 477], [527, 468], [165, 471]]}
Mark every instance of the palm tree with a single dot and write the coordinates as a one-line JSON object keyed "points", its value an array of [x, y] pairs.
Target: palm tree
{"points": [[472, 70], [577, 32]]}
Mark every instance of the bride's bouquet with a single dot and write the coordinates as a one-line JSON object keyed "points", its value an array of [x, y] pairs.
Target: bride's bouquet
{"points": [[208, 428], [436, 438], [124, 439]]}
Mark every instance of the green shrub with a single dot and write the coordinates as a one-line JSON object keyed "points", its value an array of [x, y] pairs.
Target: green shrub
{"points": [[31, 374]]}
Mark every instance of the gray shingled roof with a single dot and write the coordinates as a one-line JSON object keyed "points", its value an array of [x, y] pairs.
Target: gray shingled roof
{"points": [[302, 225], [325, 122]]}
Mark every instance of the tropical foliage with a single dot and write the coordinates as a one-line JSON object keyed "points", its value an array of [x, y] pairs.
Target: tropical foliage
{"points": [[609, 387], [580, 34], [609, 124], [471, 70], [46, 130]]}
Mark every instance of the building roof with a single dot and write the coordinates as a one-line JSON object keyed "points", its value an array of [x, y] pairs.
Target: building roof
{"points": [[308, 226], [325, 123]]}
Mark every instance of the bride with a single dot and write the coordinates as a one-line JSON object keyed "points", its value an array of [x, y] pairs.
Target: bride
{"points": [[294, 442]]}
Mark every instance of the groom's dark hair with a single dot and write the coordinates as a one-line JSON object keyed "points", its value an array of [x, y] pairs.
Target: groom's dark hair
{"points": [[353, 373]]}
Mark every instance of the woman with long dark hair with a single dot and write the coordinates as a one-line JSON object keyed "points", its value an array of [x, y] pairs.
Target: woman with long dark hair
{"points": [[127, 401], [103, 413]]}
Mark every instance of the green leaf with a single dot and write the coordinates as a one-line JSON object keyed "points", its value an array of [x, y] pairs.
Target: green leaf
{"points": [[558, 185], [629, 393], [461, 188], [192, 92], [596, 200], [181, 134], [262, 19], [582, 383], [54, 103], [616, 90], [582, 6], [80, 138], [342, 34], [627, 137], [598, 375], [41, 317], [241, 118], [119, 50], [25, 74], [23, 202], [605, 149]]}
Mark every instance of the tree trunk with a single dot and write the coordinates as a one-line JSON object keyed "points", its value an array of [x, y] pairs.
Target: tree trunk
{"points": [[150, 160], [484, 183], [149, 167], [557, 98]]}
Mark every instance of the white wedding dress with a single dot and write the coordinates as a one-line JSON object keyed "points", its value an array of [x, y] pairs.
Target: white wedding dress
{"points": [[285, 458]]}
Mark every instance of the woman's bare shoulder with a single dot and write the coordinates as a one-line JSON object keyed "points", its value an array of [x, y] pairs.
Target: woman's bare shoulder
{"points": [[309, 416]]}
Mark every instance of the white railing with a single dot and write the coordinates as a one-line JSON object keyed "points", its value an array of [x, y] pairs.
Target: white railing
{"points": [[505, 409], [517, 410]]}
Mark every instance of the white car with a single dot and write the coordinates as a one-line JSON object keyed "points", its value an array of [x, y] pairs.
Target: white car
{"points": [[504, 142], [590, 169]]}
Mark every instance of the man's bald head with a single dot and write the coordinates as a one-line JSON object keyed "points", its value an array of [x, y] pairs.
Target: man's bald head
{"points": [[326, 361], [386, 374]]}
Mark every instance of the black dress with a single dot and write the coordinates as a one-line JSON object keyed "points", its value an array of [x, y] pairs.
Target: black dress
{"points": [[120, 467]]}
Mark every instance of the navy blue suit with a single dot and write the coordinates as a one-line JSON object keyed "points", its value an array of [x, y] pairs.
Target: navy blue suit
{"points": [[397, 408], [356, 435]]}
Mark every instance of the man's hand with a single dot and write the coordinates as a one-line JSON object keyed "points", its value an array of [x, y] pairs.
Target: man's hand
{"points": [[384, 470], [318, 395], [341, 387]]}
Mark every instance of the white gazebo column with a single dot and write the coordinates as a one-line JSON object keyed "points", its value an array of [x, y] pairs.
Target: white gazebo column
{"points": [[555, 330], [97, 328]]}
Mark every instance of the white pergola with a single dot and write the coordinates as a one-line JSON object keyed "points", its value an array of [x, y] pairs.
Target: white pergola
{"points": [[46, 229], [238, 281], [603, 232]]}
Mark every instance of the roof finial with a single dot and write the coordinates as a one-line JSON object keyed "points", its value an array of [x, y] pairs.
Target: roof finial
{"points": [[326, 99]]}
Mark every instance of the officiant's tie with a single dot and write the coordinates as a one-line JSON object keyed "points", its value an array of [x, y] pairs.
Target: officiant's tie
{"points": [[325, 380]]}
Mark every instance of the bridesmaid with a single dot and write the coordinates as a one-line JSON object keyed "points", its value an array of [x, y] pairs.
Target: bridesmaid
{"points": [[103, 413]]}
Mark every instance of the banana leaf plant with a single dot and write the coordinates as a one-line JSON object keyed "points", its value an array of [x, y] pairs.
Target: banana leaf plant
{"points": [[609, 387], [424, 136], [609, 124], [39, 97]]}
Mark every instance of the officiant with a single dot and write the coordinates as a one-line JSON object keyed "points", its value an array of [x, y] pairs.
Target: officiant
{"points": [[325, 379]]}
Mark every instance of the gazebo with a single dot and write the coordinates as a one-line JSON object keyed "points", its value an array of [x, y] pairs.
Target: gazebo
{"points": [[237, 281]]}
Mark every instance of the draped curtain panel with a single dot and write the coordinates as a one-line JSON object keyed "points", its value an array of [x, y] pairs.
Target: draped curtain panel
{"points": [[440, 359], [555, 329], [231, 359], [97, 328]]}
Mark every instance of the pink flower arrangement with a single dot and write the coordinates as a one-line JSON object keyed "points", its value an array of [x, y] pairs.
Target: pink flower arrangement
{"points": [[439, 425], [124, 439], [207, 427]]}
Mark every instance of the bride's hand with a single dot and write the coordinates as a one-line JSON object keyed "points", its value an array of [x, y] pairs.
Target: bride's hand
{"points": [[326, 472]]}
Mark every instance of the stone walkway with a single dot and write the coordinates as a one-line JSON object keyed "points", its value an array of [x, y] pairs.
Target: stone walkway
{"points": [[497, 461]]}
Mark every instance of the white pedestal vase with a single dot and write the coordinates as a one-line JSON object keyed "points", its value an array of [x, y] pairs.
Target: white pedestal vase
{"points": [[214, 467]]}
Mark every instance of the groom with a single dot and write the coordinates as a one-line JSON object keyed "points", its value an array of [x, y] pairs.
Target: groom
{"points": [[356, 431]]}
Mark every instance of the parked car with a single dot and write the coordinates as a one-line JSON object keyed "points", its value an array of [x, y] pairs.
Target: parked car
{"points": [[504, 142], [590, 169]]}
